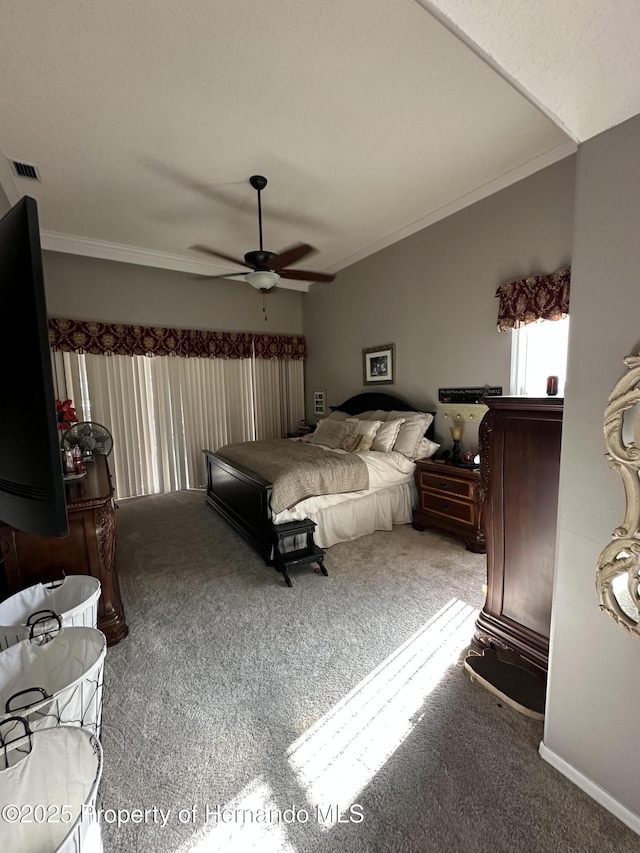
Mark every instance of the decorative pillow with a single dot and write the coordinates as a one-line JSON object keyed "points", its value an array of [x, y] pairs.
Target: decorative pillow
{"points": [[350, 440], [409, 436], [410, 416], [411, 432], [338, 416], [331, 433], [386, 435], [304, 438], [365, 432], [426, 448]]}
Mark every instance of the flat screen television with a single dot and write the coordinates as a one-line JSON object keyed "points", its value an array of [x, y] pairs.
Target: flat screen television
{"points": [[32, 490]]}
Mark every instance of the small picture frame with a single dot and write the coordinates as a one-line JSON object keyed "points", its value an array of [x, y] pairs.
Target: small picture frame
{"points": [[379, 365], [318, 403]]}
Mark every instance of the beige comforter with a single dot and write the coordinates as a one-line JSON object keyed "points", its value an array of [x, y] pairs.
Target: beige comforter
{"points": [[298, 470]]}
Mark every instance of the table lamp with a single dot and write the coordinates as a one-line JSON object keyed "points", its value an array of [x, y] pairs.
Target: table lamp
{"points": [[456, 435]]}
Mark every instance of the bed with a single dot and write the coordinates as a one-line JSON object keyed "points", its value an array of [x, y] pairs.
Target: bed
{"points": [[246, 499]]}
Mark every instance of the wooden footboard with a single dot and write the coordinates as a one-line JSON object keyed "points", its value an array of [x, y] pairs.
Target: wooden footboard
{"points": [[243, 498]]}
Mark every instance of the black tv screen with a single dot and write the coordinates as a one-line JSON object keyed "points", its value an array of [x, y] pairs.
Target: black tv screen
{"points": [[32, 491]]}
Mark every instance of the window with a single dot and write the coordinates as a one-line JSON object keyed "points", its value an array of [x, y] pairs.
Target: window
{"points": [[539, 350], [163, 411]]}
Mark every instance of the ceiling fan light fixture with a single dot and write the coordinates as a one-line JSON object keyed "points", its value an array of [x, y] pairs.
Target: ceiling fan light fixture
{"points": [[262, 279]]}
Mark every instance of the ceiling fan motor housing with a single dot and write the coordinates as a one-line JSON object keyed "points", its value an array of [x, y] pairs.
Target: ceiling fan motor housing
{"points": [[259, 260]]}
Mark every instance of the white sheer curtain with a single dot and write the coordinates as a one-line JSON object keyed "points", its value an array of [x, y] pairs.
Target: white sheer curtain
{"points": [[163, 411]]}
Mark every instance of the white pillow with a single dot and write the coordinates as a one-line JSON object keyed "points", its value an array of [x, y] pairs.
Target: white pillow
{"points": [[364, 434], [338, 416], [411, 432], [380, 415], [386, 435], [330, 433], [410, 416], [410, 435], [426, 448]]}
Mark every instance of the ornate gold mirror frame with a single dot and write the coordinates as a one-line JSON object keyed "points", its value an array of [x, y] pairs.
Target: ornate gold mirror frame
{"points": [[618, 572]]}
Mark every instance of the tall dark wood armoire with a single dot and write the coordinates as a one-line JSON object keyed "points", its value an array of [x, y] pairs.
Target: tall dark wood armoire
{"points": [[520, 468]]}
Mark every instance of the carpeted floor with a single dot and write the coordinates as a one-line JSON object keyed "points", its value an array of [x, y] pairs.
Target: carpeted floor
{"points": [[329, 716]]}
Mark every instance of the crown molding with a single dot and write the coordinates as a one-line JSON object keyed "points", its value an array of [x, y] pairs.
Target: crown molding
{"points": [[566, 149], [53, 241]]}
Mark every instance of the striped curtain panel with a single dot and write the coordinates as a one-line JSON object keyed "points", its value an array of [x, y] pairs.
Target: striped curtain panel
{"points": [[279, 396], [163, 411]]}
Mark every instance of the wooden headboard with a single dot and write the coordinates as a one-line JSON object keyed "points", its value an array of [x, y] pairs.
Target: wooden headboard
{"points": [[387, 402]]}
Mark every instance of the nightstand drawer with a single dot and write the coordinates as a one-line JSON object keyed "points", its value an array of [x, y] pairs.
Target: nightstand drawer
{"points": [[451, 508], [460, 488]]}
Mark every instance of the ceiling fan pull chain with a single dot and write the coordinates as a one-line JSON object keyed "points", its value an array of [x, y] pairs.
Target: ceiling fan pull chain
{"points": [[264, 304]]}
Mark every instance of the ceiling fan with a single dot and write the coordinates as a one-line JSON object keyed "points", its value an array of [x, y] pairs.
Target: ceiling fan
{"points": [[267, 268]]}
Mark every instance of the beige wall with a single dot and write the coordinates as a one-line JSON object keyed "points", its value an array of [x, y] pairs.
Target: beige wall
{"points": [[4, 203], [432, 295], [594, 689], [92, 289]]}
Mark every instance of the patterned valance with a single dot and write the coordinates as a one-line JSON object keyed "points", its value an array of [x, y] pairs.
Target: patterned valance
{"points": [[279, 346], [541, 297], [119, 339]]}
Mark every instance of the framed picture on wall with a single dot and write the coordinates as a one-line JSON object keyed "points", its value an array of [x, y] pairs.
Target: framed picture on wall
{"points": [[379, 365], [318, 403]]}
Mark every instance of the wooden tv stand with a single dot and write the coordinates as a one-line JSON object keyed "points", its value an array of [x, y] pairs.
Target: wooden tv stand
{"points": [[88, 549]]}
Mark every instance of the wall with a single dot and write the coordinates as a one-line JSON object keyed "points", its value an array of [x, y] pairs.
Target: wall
{"points": [[432, 294], [92, 289], [594, 690], [4, 202]]}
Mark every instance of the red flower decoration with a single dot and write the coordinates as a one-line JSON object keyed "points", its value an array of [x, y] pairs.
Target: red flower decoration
{"points": [[66, 414]]}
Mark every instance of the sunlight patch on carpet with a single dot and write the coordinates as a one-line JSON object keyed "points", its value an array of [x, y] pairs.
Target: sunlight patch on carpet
{"points": [[339, 755], [249, 822]]}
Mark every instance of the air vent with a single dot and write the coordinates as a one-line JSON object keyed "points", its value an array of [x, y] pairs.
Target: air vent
{"points": [[25, 170]]}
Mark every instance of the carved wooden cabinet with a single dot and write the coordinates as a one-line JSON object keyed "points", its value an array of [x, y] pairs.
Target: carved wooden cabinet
{"points": [[520, 468], [449, 499], [88, 549]]}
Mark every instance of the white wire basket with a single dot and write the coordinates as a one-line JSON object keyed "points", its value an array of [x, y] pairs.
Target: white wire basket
{"points": [[74, 599], [48, 789], [58, 683]]}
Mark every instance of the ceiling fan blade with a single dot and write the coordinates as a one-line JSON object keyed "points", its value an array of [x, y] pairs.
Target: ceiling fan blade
{"points": [[215, 254], [291, 255], [214, 277], [305, 275]]}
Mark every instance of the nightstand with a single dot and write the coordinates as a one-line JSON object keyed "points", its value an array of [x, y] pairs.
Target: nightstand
{"points": [[449, 499]]}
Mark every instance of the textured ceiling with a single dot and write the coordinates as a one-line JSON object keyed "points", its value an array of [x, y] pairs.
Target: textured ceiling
{"points": [[577, 59], [369, 118]]}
